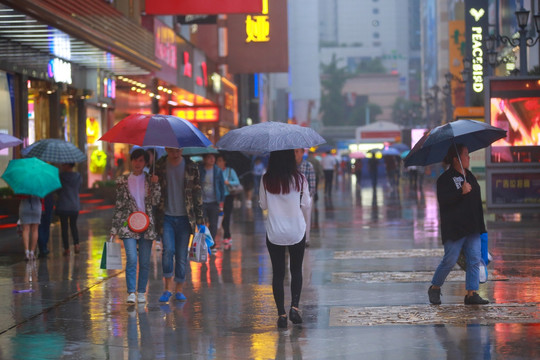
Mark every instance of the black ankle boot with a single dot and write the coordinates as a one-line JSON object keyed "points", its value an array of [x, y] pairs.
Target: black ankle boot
{"points": [[282, 322], [295, 316]]}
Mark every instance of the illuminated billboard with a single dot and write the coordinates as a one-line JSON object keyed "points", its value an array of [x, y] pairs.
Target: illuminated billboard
{"points": [[515, 107]]}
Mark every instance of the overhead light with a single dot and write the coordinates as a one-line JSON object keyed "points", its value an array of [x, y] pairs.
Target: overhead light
{"points": [[133, 88], [104, 105], [173, 103], [160, 87], [158, 96], [185, 102]]}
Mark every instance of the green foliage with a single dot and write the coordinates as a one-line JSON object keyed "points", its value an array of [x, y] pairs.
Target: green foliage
{"points": [[371, 66], [334, 108], [6, 192], [407, 113]]}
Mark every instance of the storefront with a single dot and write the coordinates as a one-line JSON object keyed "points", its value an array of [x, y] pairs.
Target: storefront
{"points": [[61, 81]]}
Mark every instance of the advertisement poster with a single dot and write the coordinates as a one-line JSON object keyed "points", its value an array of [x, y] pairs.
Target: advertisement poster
{"points": [[515, 189]]}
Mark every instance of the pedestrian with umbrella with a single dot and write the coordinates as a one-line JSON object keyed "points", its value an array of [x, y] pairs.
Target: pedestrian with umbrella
{"points": [[458, 194], [68, 206], [33, 179], [179, 211], [284, 192], [62, 152]]}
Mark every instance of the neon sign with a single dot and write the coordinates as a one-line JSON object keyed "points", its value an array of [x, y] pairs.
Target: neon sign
{"points": [[258, 26], [198, 114], [188, 68], [477, 25]]}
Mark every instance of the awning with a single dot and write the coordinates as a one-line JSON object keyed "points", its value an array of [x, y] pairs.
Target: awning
{"points": [[91, 34]]}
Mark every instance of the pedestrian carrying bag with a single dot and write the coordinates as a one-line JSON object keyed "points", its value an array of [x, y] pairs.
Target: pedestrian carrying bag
{"points": [[234, 189], [111, 258], [484, 261], [199, 249]]}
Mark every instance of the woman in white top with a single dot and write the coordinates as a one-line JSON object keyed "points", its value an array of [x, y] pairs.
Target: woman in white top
{"points": [[284, 192], [137, 191]]}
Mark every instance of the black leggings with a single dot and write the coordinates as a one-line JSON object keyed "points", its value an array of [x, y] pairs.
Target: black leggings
{"points": [[71, 218], [227, 210], [296, 258]]}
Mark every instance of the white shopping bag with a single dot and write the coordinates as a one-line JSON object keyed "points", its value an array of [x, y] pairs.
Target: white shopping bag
{"points": [[111, 258], [199, 250]]}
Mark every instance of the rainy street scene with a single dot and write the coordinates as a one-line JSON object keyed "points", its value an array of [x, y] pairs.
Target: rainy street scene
{"points": [[270, 179]]}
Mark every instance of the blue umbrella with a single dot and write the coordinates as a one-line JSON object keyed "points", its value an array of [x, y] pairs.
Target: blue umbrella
{"points": [[390, 152], [54, 150], [400, 147], [433, 146]]}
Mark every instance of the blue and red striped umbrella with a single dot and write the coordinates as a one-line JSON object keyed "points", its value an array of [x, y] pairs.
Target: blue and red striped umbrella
{"points": [[156, 130]]}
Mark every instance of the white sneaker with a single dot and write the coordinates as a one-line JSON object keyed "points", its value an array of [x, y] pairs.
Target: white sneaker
{"points": [[131, 298], [141, 298]]}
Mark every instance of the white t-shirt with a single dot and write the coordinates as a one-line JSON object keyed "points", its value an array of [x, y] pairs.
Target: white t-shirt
{"points": [[329, 162], [136, 188], [285, 223]]}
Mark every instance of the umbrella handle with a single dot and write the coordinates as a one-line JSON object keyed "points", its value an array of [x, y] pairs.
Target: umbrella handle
{"points": [[460, 164]]}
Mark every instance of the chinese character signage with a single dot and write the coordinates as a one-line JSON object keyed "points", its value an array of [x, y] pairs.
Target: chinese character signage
{"points": [[258, 42], [197, 114], [211, 7], [515, 189]]}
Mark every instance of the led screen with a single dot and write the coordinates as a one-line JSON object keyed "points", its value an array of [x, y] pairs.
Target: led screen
{"points": [[515, 107]]}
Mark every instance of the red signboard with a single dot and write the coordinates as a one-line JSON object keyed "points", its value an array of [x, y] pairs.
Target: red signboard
{"points": [[208, 7]]}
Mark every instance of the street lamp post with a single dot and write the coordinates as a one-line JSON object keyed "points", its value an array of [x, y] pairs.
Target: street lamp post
{"points": [[523, 41]]}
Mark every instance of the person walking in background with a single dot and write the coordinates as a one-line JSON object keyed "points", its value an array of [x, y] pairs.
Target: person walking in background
{"points": [[329, 164], [29, 217], [258, 172], [373, 165], [462, 222], [319, 173], [284, 193], [137, 191], [44, 229], [213, 192], [68, 205], [180, 210], [230, 179], [306, 169]]}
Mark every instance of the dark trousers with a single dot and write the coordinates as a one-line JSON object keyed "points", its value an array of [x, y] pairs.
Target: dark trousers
{"points": [[227, 210], [44, 229], [296, 258], [69, 218], [211, 213], [328, 179]]}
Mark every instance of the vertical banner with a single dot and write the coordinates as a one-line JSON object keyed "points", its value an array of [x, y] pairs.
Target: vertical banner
{"points": [[476, 30], [258, 42]]}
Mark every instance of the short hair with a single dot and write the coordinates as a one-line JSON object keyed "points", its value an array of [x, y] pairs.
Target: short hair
{"points": [[453, 152], [137, 153]]}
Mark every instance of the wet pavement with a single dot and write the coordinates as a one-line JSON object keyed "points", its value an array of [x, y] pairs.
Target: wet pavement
{"points": [[366, 274]]}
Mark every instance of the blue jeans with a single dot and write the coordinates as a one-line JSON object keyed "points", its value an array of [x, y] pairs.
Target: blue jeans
{"points": [[145, 248], [176, 232], [452, 249]]}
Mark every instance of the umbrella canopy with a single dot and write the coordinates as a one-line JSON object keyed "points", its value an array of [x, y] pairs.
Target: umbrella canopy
{"points": [[190, 151], [434, 145], [7, 140], [323, 149], [400, 147], [54, 150], [391, 152], [32, 176], [156, 130], [269, 136]]}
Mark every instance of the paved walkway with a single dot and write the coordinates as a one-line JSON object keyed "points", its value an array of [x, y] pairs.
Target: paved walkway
{"points": [[364, 296]]}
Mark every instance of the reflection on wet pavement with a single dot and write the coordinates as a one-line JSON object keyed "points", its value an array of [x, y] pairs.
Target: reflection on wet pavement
{"points": [[371, 258]]}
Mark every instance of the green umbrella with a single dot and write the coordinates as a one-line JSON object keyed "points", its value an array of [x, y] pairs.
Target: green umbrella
{"points": [[31, 176], [190, 151]]}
